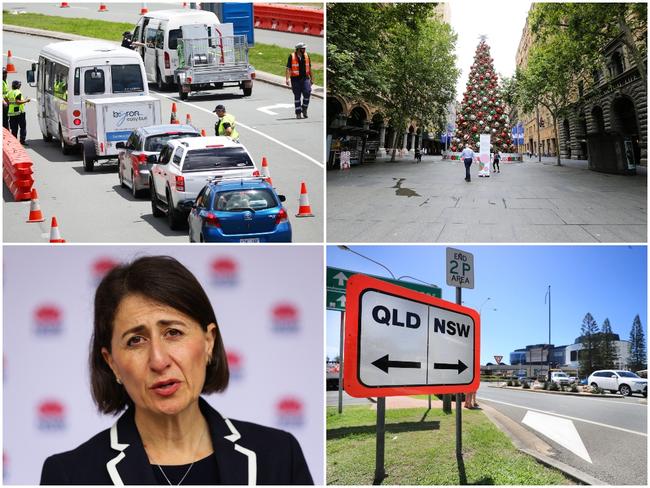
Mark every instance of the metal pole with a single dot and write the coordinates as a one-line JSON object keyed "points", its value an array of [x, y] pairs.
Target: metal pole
{"points": [[549, 332], [459, 406], [380, 473], [341, 363]]}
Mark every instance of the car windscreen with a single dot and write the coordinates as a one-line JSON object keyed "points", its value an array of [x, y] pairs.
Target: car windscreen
{"points": [[217, 158], [127, 78], [627, 374], [156, 143], [249, 199], [560, 375]]}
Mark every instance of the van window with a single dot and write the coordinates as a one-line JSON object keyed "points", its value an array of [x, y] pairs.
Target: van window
{"points": [[174, 36], [60, 81], [48, 76], [150, 38], [126, 78], [94, 81], [160, 39], [77, 80], [136, 33]]}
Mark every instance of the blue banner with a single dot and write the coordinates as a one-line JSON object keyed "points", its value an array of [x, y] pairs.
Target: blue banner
{"points": [[118, 136]]}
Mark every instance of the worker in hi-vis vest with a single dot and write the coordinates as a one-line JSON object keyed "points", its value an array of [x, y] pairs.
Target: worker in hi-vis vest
{"points": [[5, 103], [17, 111], [299, 78], [225, 126]]}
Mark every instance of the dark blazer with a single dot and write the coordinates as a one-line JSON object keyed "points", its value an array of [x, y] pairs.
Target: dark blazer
{"points": [[246, 453]]}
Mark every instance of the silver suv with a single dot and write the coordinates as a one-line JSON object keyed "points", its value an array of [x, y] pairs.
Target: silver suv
{"points": [[183, 168]]}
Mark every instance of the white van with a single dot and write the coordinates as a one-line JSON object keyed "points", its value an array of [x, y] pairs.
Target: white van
{"points": [[159, 31], [70, 72]]}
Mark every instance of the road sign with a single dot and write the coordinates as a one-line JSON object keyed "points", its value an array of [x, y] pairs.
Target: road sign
{"points": [[498, 359], [460, 268], [337, 278], [402, 342]]}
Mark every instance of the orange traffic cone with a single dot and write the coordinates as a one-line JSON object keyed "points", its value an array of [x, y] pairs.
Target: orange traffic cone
{"points": [[305, 208], [188, 119], [266, 174], [55, 235], [35, 214], [173, 119], [203, 134], [102, 8], [10, 63], [144, 9], [64, 5]]}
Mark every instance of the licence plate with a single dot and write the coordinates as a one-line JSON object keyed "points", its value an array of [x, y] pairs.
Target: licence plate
{"points": [[252, 239]]}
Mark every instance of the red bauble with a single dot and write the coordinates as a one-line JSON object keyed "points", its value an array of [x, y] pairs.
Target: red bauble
{"points": [[499, 110], [504, 135], [473, 105], [474, 128], [453, 148], [479, 115]]}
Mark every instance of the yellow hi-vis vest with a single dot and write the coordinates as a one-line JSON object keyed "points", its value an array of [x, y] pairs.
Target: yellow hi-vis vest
{"points": [[15, 108], [220, 129]]}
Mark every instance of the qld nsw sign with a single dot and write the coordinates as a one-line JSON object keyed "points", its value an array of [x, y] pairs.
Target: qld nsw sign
{"points": [[401, 342]]}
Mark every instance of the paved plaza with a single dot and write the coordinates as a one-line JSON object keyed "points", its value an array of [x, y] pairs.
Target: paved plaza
{"points": [[531, 201]]}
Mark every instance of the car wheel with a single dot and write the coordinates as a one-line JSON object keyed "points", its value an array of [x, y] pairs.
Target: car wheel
{"points": [[155, 209], [594, 385], [88, 156], [65, 148], [625, 390], [160, 82], [47, 137], [137, 193], [181, 94], [248, 91], [173, 217]]}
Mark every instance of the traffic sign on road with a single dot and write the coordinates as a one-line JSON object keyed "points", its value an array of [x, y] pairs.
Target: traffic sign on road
{"points": [[337, 278], [460, 268], [401, 342], [498, 359]]}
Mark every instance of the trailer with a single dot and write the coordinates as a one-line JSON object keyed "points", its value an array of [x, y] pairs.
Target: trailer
{"points": [[111, 120]]}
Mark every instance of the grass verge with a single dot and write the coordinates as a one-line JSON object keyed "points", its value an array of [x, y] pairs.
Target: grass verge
{"points": [[265, 57], [422, 451]]}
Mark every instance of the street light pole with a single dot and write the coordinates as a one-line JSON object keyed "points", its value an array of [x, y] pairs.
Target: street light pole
{"points": [[549, 332]]}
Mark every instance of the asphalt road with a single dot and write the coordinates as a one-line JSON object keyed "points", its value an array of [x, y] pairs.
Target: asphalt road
{"points": [[613, 431], [333, 399], [131, 13], [91, 207]]}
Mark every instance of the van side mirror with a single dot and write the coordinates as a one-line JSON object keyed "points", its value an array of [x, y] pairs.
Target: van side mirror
{"points": [[282, 198], [30, 78], [120, 145], [152, 159]]}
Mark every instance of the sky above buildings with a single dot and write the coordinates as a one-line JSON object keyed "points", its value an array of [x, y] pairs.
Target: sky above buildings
{"points": [[502, 21], [606, 281]]}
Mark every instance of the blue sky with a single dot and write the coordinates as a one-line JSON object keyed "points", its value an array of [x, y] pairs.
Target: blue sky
{"points": [[607, 281]]}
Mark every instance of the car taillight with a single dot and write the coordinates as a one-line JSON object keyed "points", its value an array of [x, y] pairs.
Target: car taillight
{"points": [[76, 121], [166, 60], [256, 173], [253, 76], [180, 183], [211, 220], [281, 216], [142, 158], [76, 113], [189, 79]]}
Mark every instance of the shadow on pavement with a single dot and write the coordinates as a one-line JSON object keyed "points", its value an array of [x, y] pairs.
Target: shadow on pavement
{"points": [[160, 224], [51, 152], [100, 169], [390, 428]]}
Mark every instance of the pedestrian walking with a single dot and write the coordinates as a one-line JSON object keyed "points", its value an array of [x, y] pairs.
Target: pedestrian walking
{"points": [[495, 162], [16, 113], [5, 102], [225, 126], [298, 76], [467, 156], [470, 400], [418, 155]]}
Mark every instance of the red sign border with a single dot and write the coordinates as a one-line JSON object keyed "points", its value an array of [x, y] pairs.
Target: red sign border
{"points": [[359, 283]]}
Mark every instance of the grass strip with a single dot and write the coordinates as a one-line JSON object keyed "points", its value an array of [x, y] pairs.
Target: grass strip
{"points": [[422, 451], [265, 57]]}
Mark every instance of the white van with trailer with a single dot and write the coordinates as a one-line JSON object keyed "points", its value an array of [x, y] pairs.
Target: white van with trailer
{"points": [[191, 50], [69, 73]]}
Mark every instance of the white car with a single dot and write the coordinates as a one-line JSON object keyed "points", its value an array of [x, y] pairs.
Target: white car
{"points": [[560, 378], [625, 382], [184, 167]]}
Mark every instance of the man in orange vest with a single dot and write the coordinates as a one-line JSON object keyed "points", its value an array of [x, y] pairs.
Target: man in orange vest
{"points": [[299, 78]]}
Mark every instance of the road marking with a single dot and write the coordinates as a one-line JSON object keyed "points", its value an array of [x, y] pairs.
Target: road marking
{"points": [[567, 417], [267, 109], [239, 124], [559, 430]]}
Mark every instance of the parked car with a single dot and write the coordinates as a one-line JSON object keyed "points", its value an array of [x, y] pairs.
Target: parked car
{"points": [[239, 210], [134, 167], [186, 165], [560, 378], [625, 382]]}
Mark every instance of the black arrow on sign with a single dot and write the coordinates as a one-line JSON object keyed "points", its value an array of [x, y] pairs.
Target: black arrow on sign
{"points": [[461, 366], [384, 363]]}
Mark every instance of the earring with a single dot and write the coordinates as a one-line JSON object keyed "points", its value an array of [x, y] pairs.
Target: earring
{"points": [[119, 381]]}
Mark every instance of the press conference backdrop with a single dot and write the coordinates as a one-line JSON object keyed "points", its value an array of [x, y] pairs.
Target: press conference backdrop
{"points": [[269, 305]]}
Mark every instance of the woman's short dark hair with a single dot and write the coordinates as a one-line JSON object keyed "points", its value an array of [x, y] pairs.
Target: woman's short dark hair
{"points": [[162, 279]]}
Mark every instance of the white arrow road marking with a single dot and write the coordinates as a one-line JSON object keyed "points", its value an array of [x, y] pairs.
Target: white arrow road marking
{"points": [[341, 278], [559, 430], [267, 109]]}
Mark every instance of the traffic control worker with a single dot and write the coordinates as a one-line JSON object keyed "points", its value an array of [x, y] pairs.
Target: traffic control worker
{"points": [[5, 102], [17, 111], [225, 126], [299, 77]]}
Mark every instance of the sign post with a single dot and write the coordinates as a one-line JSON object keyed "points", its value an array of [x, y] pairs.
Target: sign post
{"points": [[402, 342]]}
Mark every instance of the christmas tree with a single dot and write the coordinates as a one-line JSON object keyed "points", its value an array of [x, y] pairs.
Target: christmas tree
{"points": [[482, 111]]}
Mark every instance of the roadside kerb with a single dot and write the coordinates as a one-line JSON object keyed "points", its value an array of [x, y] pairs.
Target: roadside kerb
{"points": [[587, 395], [317, 91], [530, 444]]}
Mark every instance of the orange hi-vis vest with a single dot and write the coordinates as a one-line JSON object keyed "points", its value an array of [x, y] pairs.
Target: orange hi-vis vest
{"points": [[295, 65]]}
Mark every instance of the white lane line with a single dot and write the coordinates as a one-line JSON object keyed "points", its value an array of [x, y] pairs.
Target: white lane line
{"points": [[559, 430], [239, 124], [644, 434]]}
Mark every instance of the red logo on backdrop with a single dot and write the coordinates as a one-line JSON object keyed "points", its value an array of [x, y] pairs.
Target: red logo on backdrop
{"points": [[101, 267], [224, 272], [51, 415], [235, 364], [285, 318], [290, 412], [48, 320]]}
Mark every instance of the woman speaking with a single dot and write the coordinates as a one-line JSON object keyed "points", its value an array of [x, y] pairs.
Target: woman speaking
{"points": [[155, 349]]}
